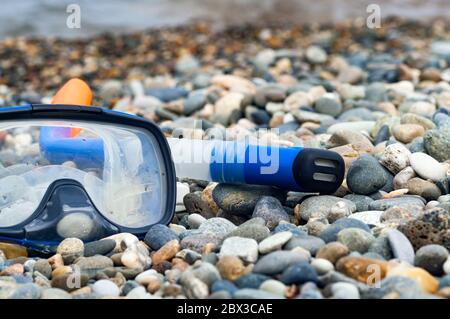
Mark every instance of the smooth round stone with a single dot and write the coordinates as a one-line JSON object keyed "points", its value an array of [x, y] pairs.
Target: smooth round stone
{"points": [[255, 231], [361, 201], [411, 118], [328, 105], [310, 243], [270, 209], [182, 191], [423, 188], [145, 277], [187, 64], [55, 293], [43, 266], [344, 290], [244, 248], [366, 176], [444, 199], [224, 285], [78, 225], [357, 126], [395, 157], [401, 246], [273, 286], [357, 114], [248, 293], [383, 135], [259, 117], [405, 133], [242, 199], [195, 220], [167, 94], [384, 204], [332, 252], [308, 116], [251, 281], [194, 102], [105, 288], [201, 80], [319, 206], [299, 273], [427, 167], [275, 262], [70, 249], [355, 239], [402, 178], [290, 228], [158, 235], [322, 266], [99, 247], [422, 108], [217, 226], [371, 217], [431, 258], [417, 145], [316, 55], [94, 262], [27, 291], [330, 233], [137, 293], [274, 242], [380, 247]]}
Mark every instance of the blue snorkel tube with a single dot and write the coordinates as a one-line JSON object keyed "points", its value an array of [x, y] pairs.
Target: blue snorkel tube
{"points": [[58, 146], [291, 168]]}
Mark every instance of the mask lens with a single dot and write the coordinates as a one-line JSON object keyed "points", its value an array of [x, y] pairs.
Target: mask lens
{"points": [[120, 167]]}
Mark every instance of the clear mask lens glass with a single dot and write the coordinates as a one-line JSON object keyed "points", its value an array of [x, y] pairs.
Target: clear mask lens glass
{"points": [[120, 167]]}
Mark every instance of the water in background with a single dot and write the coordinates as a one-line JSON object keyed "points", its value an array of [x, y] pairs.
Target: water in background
{"points": [[48, 17]]}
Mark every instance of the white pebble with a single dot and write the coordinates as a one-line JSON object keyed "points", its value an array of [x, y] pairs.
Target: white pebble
{"points": [[145, 277], [195, 220], [106, 288], [427, 167], [344, 290], [244, 248], [370, 217], [182, 190], [274, 242], [322, 266], [273, 286], [137, 293]]}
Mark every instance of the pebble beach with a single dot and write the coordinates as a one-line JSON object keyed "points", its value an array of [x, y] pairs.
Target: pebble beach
{"points": [[378, 97]]}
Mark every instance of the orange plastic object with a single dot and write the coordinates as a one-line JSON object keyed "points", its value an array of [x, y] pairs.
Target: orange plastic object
{"points": [[75, 92]]}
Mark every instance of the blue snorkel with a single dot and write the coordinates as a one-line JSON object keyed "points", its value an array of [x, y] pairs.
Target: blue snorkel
{"points": [[291, 168]]}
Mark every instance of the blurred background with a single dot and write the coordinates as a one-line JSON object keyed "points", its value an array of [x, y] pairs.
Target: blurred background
{"points": [[48, 17]]}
